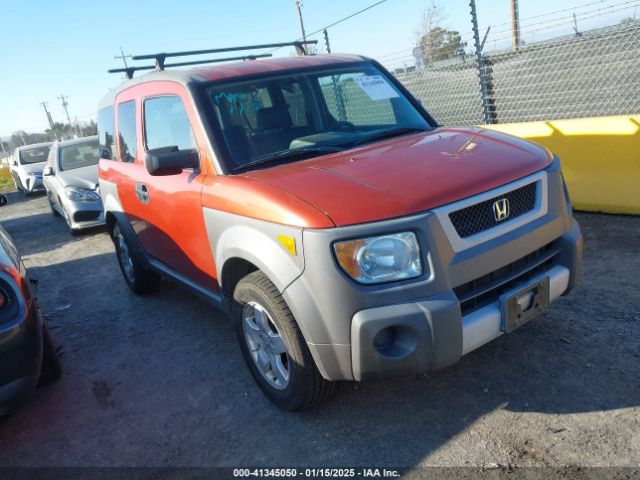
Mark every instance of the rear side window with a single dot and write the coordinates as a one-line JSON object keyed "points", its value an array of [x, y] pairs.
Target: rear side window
{"points": [[127, 141], [106, 133], [166, 123]]}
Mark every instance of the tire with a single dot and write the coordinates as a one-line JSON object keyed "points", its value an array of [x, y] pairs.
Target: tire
{"points": [[140, 279], [51, 369], [289, 378], [53, 209]]}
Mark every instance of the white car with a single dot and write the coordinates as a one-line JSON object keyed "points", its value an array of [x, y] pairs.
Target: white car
{"points": [[71, 181], [27, 165]]}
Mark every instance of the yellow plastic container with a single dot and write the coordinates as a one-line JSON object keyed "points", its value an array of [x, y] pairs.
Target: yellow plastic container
{"points": [[600, 158]]}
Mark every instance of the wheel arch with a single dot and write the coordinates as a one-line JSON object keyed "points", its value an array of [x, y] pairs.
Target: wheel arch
{"points": [[234, 270], [246, 247]]}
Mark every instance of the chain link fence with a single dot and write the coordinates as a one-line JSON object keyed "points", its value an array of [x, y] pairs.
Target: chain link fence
{"points": [[593, 73]]}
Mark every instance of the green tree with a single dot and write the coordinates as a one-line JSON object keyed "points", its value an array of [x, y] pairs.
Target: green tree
{"points": [[436, 42]]}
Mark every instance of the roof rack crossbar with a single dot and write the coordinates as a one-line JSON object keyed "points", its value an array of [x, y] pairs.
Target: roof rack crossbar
{"points": [[130, 70], [161, 57], [216, 60]]}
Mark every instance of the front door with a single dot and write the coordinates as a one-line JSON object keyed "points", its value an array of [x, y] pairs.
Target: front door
{"points": [[165, 211]]}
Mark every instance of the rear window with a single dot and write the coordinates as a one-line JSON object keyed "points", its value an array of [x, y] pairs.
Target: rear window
{"points": [[34, 155], [79, 155], [106, 133]]}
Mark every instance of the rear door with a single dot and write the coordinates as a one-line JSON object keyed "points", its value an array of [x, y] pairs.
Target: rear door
{"points": [[165, 211]]}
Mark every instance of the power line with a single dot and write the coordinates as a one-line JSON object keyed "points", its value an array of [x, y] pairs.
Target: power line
{"points": [[608, 9], [569, 20], [340, 21], [347, 18]]}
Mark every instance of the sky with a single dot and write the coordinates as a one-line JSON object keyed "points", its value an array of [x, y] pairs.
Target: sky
{"points": [[48, 49]]}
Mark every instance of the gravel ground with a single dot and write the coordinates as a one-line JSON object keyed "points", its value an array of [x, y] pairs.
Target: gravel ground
{"points": [[159, 381]]}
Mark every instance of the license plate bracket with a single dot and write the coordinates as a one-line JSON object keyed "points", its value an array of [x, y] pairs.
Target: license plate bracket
{"points": [[526, 303]]}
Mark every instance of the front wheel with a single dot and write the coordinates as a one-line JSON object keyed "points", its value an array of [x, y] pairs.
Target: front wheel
{"points": [[53, 209], [273, 346], [139, 278]]}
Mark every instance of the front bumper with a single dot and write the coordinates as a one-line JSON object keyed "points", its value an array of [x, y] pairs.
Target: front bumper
{"points": [[432, 328], [84, 214], [33, 184]]}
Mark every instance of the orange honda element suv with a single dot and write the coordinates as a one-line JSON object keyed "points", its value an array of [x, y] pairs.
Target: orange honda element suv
{"points": [[314, 200]]}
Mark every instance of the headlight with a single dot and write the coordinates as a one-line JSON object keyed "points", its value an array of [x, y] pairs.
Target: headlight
{"points": [[380, 259], [81, 194]]}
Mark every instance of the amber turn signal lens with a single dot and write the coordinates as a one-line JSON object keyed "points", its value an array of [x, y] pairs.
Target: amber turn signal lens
{"points": [[347, 255]]}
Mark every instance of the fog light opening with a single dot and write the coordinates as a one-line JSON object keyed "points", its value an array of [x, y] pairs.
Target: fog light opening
{"points": [[395, 342], [384, 339]]}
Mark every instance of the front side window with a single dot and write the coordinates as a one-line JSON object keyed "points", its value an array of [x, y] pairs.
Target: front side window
{"points": [[299, 115], [79, 155], [127, 141], [106, 133], [166, 123], [34, 155]]}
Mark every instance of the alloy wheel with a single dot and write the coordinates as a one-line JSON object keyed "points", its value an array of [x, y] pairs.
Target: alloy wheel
{"points": [[266, 346]]}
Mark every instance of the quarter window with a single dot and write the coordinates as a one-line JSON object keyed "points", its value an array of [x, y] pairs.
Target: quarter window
{"points": [[166, 123], [106, 132], [127, 131]]}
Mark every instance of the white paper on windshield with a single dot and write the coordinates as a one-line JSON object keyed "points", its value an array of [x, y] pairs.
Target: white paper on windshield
{"points": [[376, 87]]}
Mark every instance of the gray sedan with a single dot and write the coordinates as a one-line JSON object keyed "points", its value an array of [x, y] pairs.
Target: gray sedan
{"points": [[71, 181]]}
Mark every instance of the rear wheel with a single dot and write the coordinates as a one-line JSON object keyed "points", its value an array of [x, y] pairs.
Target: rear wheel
{"points": [[140, 279], [273, 346]]}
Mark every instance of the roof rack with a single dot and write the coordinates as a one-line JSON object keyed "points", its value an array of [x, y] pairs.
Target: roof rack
{"points": [[160, 58]]}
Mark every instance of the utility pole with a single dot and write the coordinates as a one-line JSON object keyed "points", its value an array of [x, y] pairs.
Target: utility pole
{"points": [[484, 90], [326, 40], [123, 57], [299, 7], [515, 26], [66, 110], [44, 105]]}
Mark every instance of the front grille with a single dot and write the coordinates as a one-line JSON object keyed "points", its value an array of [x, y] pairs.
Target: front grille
{"points": [[480, 217], [86, 216], [487, 289]]}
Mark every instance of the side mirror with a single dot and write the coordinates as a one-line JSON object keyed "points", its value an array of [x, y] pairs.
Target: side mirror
{"points": [[3, 200], [14, 163], [170, 160], [47, 171]]}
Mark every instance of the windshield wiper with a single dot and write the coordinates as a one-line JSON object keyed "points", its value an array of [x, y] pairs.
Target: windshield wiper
{"points": [[393, 132], [285, 155]]}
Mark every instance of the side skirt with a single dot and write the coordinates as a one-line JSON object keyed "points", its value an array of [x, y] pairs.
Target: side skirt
{"points": [[213, 298]]}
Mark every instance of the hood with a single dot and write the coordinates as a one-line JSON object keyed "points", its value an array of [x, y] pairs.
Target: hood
{"points": [[85, 177], [408, 174], [31, 168]]}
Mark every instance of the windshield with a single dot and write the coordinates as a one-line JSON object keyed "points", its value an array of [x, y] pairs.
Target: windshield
{"points": [[34, 155], [263, 120], [79, 155]]}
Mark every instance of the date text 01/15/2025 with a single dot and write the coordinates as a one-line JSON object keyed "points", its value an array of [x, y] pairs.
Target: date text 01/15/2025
{"points": [[316, 473]]}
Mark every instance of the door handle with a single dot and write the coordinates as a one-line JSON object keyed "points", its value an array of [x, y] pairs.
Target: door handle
{"points": [[142, 193]]}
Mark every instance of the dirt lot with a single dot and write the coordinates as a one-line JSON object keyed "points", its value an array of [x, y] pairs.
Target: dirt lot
{"points": [[160, 381]]}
